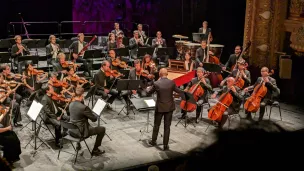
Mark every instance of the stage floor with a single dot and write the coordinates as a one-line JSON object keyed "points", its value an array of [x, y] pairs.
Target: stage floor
{"points": [[125, 150]]}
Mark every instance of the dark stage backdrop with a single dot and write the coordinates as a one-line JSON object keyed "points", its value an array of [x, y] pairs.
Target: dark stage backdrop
{"points": [[169, 16]]}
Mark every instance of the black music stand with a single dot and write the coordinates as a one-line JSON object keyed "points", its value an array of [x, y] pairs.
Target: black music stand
{"points": [[122, 51], [125, 73], [189, 99], [5, 57], [142, 51], [128, 85], [34, 59], [197, 37], [5, 44], [41, 43], [211, 67], [165, 51]]}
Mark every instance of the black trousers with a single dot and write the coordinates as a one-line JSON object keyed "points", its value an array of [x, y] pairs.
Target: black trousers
{"points": [[167, 123], [11, 145], [100, 132], [57, 127], [225, 116], [263, 105], [85, 64]]}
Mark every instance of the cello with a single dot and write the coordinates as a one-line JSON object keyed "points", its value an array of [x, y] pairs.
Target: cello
{"points": [[197, 91], [239, 82], [217, 111]]}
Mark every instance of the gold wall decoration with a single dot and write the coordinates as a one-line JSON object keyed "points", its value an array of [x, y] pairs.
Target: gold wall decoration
{"points": [[296, 8]]}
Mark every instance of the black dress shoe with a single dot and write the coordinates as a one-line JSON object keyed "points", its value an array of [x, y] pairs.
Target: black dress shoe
{"points": [[17, 124], [109, 107], [97, 152], [78, 147], [58, 145], [152, 143], [166, 147]]}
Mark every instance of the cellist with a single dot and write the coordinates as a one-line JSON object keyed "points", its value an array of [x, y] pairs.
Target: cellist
{"points": [[272, 91], [205, 84], [234, 107], [240, 73]]}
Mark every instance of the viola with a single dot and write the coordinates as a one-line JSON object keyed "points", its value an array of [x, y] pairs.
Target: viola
{"points": [[56, 97], [67, 64], [118, 62], [216, 112], [58, 83], [15, 76], [36, 72], [113, 73], [145, 73]]}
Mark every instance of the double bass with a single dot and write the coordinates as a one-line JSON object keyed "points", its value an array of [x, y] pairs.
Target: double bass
{"points": [[248, 44], [216, 112]]}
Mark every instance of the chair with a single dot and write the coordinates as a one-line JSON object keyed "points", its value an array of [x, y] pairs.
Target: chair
{"points": [[72, 126], [275, 104], [202, 105]]}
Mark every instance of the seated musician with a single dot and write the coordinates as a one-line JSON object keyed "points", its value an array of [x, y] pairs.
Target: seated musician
{"points": [[201, 53], [141, 33], [60, 67], [18, 50], [240, 72], [136, 74], [235, 105], [233, 58], [51, 113], [112, 57], [134, 44], [111, 41], [119, 42], [7, 96], [76, 47], [71, 78], [9, 76], [79, 115], [159, 42], [8, 139], [205, 84], [205, 30], [117, 32], [149, 65], [30, 79], [52, 50], [272, 91], [188, 64]]}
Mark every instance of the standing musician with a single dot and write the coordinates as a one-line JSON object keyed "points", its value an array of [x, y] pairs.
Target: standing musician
{"points": [[205, 30], [51, 113], [7, 99], [141, 33], [165, 105], [76, 47], [8, 139], [201, 53], [111, 41], [52, 50], [134, 44], [137, 73], [272, 91], [205, 84], [233, 58], [119, 42], [241, 75], [79, 115], [234, 107], [188, 63], [117, 32], [18, 50]]}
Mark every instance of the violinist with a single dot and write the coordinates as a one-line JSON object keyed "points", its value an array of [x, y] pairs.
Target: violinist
{"points": [[136, 74], [205, 84], [240, 73], [30, 79], [7, 96], [52, 50], [76, 47], [60, 67], [272, 91], [149, 65], [234, 107], [72, 78], [112, 59], [52, 114], [18, 50], [188, 63]]}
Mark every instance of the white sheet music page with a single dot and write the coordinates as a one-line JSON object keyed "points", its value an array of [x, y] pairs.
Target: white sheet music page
{"points": [[99, 106], [34, 110], [150, 103]]}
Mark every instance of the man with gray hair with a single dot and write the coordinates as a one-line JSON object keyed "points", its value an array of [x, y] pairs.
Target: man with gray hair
{"points": [[164, 105], [134, 44]]}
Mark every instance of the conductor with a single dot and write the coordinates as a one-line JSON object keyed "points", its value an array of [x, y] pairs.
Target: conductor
{"points": [[164, 105]]}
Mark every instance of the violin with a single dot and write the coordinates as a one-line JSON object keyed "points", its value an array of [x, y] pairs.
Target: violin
{"points": [[118, 62], [67, 64], [12, 83], [36, 72], [145, 73], [56, 97], [113, 73], [216, 112], [58, 83], [15, 76]]}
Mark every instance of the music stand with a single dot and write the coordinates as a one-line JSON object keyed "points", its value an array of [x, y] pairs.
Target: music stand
{"points": [[97, 109], [122, 51], [89, 54], [5, 44], [125, 73], [128, 85], [189, 99], [5, 57], [142, 51], [211, 67], [33, 113], [197, 37]]}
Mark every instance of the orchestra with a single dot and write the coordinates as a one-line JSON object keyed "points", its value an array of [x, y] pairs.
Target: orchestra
{"points": [[61, 89]]}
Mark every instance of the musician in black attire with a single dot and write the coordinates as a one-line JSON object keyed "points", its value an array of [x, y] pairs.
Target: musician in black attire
{"points": [[134, 43], [142, 92], [76, 48], [165, 105], [9, 102], [235, 92], [205, 30], [205, 84], [9, 140], [51, 113], [117, 32], [201, 54], [79, 115], [112, 57], [233, 58], [18, 50], [272, 91], [52, 50], [59, 67]]}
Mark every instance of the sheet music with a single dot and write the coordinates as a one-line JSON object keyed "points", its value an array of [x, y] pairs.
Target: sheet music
{"points": [[150, 103], [34, 110], [99, 106]]}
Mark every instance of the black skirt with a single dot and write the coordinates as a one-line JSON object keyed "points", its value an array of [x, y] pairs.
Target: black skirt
{"points": [[11, 146]]}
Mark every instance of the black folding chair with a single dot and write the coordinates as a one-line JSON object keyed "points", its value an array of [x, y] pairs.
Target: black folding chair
{"points": [[71, 126]]}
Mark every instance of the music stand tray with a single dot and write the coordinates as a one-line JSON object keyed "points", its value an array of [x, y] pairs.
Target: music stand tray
{"points": [[142, 51], [125, 72], [211, 67], [188, 97], [122, 51]]}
